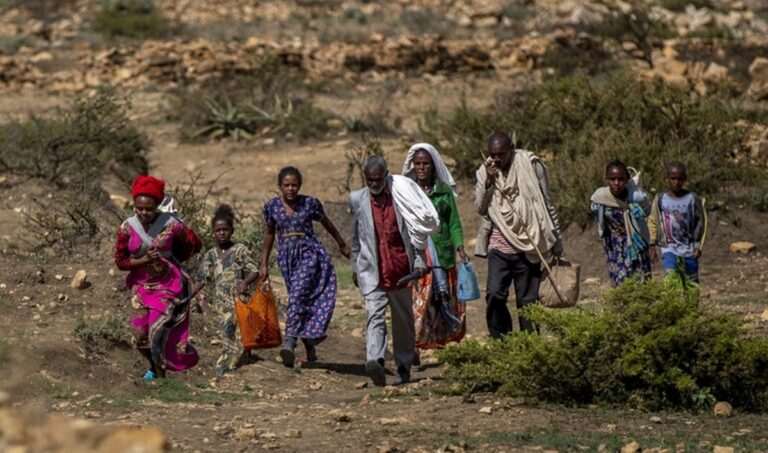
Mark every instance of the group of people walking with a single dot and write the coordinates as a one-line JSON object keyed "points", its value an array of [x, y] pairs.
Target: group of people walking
{"points": [[406, 237]]}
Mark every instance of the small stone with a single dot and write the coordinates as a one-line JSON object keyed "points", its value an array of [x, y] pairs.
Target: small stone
{"points": [[58, 277], [655, 419], [26, 298], [720, 449], [486, 410], [80, 281], [723, 409], [268, 435], [610, 427], [292, 433], [361, 385], [632, 447], [741, 247], [343, 418], [357, 332], [393, 421], [592, 281], [245, 434], [61, 297], [316, 385]]}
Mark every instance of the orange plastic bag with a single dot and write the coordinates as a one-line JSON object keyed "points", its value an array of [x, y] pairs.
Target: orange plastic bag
{"points": [[257, 319]]}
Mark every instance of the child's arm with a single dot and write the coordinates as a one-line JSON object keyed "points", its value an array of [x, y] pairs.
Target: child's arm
{"points": [[700, 231], [331, 228]]}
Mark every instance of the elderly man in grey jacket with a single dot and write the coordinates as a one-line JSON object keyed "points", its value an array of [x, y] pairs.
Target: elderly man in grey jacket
{"points": [[392, 220]]}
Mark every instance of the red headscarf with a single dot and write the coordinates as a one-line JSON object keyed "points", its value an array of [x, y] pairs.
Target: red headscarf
{"points": [[149, 186]]}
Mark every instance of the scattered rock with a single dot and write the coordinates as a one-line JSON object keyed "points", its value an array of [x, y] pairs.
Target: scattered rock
{"points": [[741, 247], [361, 385], [719, 449], [343, 418], [758, 87], [357, 332], [632, 447], [59, 277], [268, 435], [592, 281], [655, 419], [764, 315], [316, 385], [292, 433], [80, 281], [723, 409], [245, 434], [393, 421], [486, 410]]}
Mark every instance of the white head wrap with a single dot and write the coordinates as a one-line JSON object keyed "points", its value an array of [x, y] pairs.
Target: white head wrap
{"points": [[441, 170]]}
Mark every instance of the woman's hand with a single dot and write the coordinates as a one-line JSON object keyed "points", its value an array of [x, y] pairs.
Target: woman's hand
{"points": [[263, 272], [345, 250], [462, 254]]}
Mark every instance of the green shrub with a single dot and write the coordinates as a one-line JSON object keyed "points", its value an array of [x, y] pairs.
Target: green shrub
{"points": [[138, 19], [578, 126], [651, 346], [78, 143]]}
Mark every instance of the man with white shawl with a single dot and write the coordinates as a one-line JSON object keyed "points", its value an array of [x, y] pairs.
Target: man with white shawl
{"points": [[512, 195], [392, 221]]}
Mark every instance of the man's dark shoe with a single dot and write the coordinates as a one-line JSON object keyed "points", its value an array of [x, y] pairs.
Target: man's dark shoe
{"points": [[402, 378], [375, 371]]}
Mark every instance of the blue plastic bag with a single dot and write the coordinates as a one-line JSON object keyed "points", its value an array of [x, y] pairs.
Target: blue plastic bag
{"points": [[468, 287]]}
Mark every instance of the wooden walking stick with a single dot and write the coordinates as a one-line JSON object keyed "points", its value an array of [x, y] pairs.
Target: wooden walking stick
{"points": [[527, 233]]}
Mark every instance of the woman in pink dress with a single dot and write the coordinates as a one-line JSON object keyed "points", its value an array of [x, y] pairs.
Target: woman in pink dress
{"points": [[150, 246]]}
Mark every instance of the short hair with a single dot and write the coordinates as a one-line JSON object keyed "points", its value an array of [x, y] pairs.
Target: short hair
{"points": [[502, 138], [616, 163], [288, 171], [226, 213], [375, 162], [676, 165]]}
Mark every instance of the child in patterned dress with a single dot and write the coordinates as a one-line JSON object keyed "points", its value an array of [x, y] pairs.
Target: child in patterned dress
{"points": [[621, 209], [228, 269]]}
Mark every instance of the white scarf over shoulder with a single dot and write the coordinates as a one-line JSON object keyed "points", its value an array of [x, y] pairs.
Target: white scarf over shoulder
{"points": [[441, 170], [416, 210]]}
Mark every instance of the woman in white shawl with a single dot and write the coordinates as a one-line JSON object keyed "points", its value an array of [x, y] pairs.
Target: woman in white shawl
{"points": [[439, 316]]}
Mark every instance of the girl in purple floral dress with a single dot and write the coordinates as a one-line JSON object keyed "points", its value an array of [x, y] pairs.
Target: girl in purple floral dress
{"points": [[305, 264]]}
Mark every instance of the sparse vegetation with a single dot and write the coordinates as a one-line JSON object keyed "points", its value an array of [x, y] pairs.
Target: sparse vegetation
{"points": [[99, 336], [275, 102], [79, 143], [578, 125], [137, 19], [651, 346], [74, 218], [355, 157]]}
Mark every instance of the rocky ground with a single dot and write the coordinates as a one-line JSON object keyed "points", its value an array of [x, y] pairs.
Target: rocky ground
{"points": [[66, 391]]}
